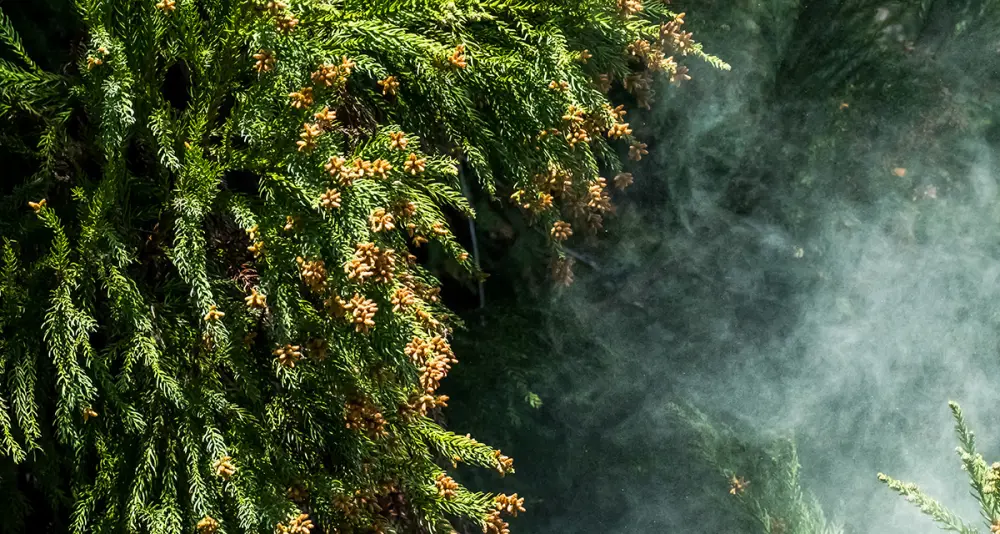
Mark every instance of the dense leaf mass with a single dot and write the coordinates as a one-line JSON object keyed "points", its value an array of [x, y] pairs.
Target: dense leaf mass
{"points": [[214, 309]]}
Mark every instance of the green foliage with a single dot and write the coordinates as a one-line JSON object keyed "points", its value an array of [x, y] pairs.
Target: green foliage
{"points": [[982, 477], [762, 478], [217, 316]]}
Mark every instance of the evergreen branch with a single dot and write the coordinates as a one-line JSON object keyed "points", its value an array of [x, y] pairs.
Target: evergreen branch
{"points": [[9, 36], [947, 519]]}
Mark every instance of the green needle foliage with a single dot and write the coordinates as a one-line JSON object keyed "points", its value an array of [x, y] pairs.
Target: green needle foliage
{"points": [[213, 316], [983, 479], [763, 478]]}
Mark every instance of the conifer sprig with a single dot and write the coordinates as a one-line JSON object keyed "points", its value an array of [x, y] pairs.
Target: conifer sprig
{"points": [[983, 479], [762, 483]]}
